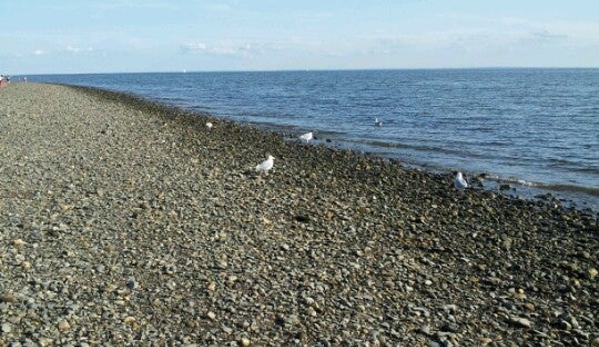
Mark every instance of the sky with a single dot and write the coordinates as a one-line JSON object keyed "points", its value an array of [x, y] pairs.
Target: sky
{"points": [[105, 36]]}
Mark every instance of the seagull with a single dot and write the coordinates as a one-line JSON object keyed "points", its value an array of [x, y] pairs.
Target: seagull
{"points": [[307, 136], [209, 125], [460, 183], [378, 122], [266, 165]]}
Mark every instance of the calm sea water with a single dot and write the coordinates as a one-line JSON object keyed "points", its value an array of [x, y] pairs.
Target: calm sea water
{"points": [[532, 127]]}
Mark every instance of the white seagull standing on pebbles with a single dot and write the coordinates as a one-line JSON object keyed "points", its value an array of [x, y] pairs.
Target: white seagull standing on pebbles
{"points": [[266, 165], [460, 183], [307, 136], [209, 125], [378, 122]]}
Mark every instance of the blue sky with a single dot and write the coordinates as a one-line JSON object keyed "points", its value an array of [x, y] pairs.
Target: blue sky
{"points": [[71, 36]]}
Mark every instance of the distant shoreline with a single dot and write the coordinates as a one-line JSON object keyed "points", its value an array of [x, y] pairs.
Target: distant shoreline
{"points": [[512, 188]]}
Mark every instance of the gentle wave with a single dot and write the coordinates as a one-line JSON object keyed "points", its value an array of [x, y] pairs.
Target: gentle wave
{"points": [[553, 187], [413, 146], [571, 188]]}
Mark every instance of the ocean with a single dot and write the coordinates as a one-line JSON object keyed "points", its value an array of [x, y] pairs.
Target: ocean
{"points": [[534, 129]]}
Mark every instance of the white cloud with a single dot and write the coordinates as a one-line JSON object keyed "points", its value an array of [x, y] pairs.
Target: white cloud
{"points": [[468, 39], [194, 47], [231, 50], [546, 37], [78, 50], [39, 52]]}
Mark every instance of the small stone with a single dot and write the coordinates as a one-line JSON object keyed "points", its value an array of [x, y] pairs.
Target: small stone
{"points": [[450, 327], [564, 325], [309, 301], [245, 342], [574, 323], [227, 330], [593, 273], [211, 315], [585, 255], [595, 342], [212, 286], [520, 322], [26, 265], [132, 285], [129, 320], [302, 219], [450, 307], [44, 342], [292, 320], [485, 341], [519, 295], [63, 325], [8, 298], [494, 281], [426, 330], [18, 242], [6, 328], [528, 306]]}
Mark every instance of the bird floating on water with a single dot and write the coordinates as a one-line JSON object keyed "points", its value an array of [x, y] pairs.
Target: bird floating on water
{"points": [[378, 122], [209, 125], [307, 136], [460, 182], [266, 165]]}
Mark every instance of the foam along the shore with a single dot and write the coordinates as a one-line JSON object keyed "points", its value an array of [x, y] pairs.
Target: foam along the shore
{"points": [[125, 222]]}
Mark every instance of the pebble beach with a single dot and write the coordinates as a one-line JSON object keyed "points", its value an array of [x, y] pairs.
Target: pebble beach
{"points": [[124, 222]]}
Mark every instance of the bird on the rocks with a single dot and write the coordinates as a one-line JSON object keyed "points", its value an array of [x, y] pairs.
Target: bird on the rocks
{"points": [[209, 125], [266, 165], [378, 122], [307, 136], [460, 182]]}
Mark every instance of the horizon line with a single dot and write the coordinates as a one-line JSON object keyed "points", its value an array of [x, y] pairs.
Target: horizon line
{"points": [[311, 70]]}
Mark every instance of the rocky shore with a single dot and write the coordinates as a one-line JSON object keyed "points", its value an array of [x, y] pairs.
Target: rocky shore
{"points": [[127, 223]]}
